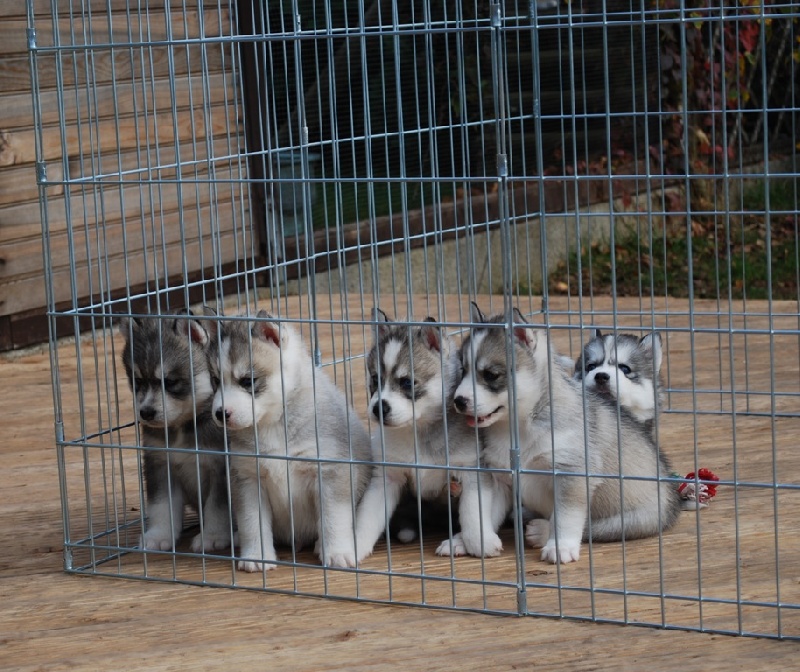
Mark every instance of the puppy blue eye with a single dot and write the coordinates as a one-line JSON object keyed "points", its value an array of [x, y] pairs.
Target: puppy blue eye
{"points": [[625, 369], [490, 376], [374, 380], [591, 367], [214, 382], [405, 384], [246, 382]]}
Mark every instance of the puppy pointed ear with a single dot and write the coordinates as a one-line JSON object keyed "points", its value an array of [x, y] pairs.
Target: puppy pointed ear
{"points": [[190, 327], [381, 320], [269, 332], [431, 335], [524, 335], [208, 319], [126, 325], [596, 333], [652, 343], [475, 314]]}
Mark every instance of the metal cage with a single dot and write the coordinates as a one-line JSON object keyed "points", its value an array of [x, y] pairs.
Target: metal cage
{"points": [[627, 166]]}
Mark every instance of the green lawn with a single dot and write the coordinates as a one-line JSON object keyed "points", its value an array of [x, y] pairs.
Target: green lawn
{"points": [[348, 201], [738, 256]]}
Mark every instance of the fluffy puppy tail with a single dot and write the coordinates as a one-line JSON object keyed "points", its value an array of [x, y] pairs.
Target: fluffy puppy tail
{"points": [[646, 519]]}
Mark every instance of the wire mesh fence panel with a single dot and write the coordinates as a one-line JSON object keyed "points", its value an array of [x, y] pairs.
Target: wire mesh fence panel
{"points": [[489, 306]]}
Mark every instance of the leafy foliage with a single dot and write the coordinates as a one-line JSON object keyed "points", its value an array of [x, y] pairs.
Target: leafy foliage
{"points": [[721, 65], [750, 256]]}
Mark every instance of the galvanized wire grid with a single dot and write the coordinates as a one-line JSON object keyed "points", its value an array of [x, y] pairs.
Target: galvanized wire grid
{"points": [[318, 159]]}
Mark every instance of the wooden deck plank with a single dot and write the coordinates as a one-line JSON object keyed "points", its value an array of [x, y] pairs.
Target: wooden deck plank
{"points": [[59, 621]]}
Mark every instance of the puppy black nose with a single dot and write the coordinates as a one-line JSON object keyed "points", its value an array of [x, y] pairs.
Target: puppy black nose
{"points": [[221, 413], [602, 378], [381, 410], [461, 403], [147, 413]]}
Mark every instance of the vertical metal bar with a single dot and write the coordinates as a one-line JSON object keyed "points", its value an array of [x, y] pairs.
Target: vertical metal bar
{"points": [[729, 327], [776, 529], [499, 69], [648, 180], [47, 264], [685, 119]]}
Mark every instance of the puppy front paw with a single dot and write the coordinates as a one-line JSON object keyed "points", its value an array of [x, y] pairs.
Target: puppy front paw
{"points": [[250, 566], [340, 559], [568, 551], [454, 546], [537, 532], [487, 545], [157, 539], [210, 542]]}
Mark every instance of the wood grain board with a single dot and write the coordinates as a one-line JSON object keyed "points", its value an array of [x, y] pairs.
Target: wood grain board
{"points": [[114, 120], [724, 568]]}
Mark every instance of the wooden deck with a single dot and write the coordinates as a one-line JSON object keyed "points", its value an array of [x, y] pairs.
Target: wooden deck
{"points": [[53, 620]]}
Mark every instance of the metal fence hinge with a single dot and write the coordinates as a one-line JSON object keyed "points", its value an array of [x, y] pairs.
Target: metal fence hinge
{"points": [[502, 165], [59, 428], [41, 172], [522, 602], [496, 14], [31, 34]]}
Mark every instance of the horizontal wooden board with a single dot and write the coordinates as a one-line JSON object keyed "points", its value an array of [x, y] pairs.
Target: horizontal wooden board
{"points": [[9, 8], [21, 258], [22, 221], [87, 30], [15, 74], [18, 147], [40, 632], [158, 164], [128, 96], [29, 292], [111, 65], [18, 183]]}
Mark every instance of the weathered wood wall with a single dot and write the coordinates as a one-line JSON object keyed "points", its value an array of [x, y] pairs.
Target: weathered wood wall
{"points": [[140, 129]]}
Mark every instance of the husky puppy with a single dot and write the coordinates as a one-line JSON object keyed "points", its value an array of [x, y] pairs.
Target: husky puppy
{"points": [[551, 419], [413, 372], [627, 370], [275, 403], [165, 363]]}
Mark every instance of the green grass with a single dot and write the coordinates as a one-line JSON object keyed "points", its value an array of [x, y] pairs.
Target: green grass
{"points": [[351, 200], [738, 261], [781, 195]]}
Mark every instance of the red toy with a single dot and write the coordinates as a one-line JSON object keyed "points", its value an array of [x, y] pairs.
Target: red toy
{"points": [[695, 494]]}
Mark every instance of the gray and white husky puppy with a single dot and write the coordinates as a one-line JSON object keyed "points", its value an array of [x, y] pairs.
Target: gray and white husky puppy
{"points": [[165, 363], [626, 369], [274, 402], [413, 372], [551, 417]]}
